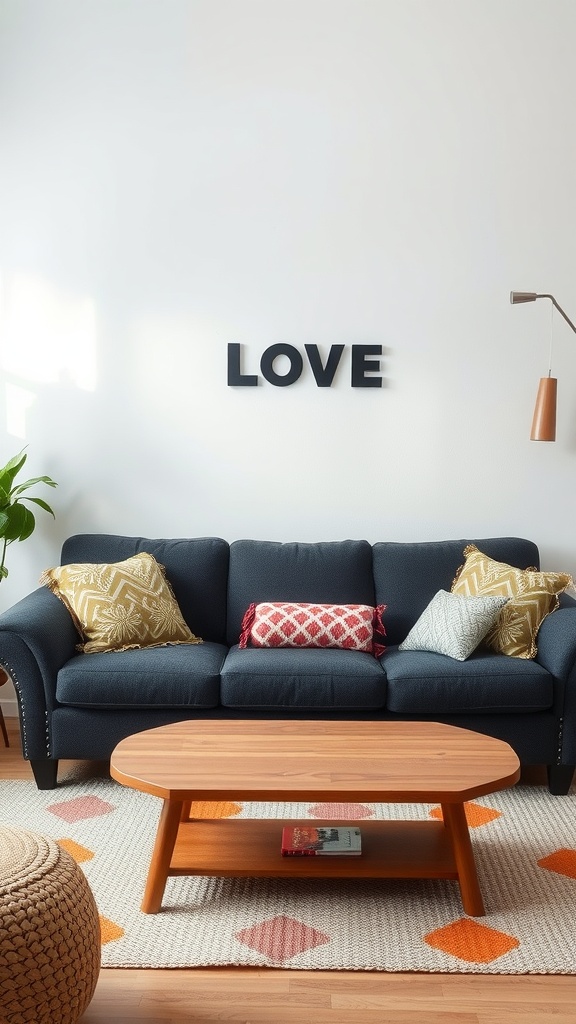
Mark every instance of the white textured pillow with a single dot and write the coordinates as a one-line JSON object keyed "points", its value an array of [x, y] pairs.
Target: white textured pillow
{"points": [[453, 624]]}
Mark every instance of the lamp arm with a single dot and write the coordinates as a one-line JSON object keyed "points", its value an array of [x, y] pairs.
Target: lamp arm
{"points": [[559, 308]]}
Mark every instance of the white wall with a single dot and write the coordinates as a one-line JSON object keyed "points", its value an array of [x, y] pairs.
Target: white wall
{"points": [[176, 175]]}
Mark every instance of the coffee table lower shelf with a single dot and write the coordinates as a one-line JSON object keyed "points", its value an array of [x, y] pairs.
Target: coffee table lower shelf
{"points": [[252, 848]]}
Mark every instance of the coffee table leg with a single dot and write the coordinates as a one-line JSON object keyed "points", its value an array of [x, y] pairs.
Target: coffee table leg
{"points": [[455, 819], [162, 856]]}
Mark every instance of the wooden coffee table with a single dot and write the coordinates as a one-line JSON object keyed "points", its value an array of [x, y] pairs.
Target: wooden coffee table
{"points": [[335, 762]]}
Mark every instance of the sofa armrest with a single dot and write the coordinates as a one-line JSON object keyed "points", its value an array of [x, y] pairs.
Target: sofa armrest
{"points": [[557, 652], [557, 640], [37, 637]]}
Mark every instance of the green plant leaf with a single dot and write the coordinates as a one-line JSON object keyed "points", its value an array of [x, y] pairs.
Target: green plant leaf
{"points": [[19, 525], [30, 483], [28, 524], [17, 521], [42, 504], [9, 471]]}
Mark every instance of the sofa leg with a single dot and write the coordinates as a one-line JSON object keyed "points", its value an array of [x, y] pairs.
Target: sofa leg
{"points": [[560, 778], [45, 772]]}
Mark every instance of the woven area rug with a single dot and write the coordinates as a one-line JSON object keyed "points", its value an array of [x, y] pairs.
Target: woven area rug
{"points": [[525, 846]]}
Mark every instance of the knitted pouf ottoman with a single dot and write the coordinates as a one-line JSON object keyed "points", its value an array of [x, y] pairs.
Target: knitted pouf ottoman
{"points": [[49, 932]]}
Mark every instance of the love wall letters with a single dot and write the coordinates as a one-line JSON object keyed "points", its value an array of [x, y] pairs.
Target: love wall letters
{"points": [[362, 364]]}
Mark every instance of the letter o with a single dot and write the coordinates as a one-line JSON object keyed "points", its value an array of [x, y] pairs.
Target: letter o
{"points": [[267, 367]]}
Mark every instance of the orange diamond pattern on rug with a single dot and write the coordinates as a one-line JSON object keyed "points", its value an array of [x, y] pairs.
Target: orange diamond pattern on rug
{"points": [[562, 861], [341, 812], [475, 943], [476, 814], [108, 930], [80, 808], [78, 852], [280, 938], [214, 809]]}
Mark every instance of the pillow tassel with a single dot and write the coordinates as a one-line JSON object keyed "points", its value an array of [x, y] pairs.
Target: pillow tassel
{"points": [[379, 631], [46, 580], [246, 628]]}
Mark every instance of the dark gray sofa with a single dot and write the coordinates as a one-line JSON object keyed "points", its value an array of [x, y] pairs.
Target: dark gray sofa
{"points": [[81, 705]]}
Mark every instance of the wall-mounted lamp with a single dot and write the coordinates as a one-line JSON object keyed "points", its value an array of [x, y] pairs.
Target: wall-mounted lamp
{"points": [[544, 419]]}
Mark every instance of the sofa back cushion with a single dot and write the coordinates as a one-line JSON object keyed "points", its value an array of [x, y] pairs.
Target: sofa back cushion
{"points": [[408, 575], [326, 572], [197, 569]]}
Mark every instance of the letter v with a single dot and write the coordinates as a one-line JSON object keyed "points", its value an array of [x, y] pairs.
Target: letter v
{"points": [[324, 375]]}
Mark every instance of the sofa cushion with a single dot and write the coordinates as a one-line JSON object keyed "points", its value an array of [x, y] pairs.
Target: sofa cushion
{"points": [[453, 625], [295, 677], [120, 605], [422, 683], [328, 572], [154, 677], [532, 596], [197, 569], [350, 627], [407, 575]]}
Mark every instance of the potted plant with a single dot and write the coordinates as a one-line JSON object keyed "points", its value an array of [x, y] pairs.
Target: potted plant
{"points": [[17, 521]]}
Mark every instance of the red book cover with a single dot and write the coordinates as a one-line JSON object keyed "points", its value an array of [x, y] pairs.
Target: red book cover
{"points": [[320, 840]]}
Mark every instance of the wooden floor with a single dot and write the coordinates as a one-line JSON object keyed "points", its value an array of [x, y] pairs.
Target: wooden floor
{"points": [[250, 996]]}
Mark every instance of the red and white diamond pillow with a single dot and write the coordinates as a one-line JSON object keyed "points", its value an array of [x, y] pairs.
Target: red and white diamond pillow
{"points": [[353, 627]]}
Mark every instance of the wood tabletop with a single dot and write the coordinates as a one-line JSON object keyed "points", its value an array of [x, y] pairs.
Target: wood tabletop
{"points": [[327, 760]]}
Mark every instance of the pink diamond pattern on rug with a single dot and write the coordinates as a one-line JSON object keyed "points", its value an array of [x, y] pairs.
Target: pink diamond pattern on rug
{"points": [[81, 807], [340, 812], [280, 938]]}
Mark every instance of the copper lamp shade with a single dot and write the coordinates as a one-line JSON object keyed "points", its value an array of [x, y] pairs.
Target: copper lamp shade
{"points": [[544, 419]]}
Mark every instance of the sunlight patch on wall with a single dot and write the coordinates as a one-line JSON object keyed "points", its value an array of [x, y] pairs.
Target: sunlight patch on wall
{"points": [[47, 334], [18, 401]]}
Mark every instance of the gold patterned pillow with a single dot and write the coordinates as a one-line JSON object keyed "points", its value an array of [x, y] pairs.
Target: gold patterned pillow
{"points": [[532, 596], [120, 606]]}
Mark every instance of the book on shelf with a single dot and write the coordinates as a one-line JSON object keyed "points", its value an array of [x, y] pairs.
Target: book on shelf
{"points": [[320, 841]]}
